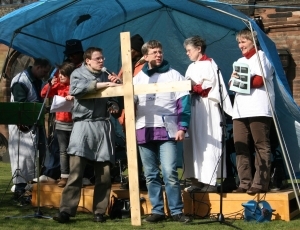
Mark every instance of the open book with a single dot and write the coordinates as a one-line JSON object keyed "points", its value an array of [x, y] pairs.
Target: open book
{"points": [[170, 123], [242, 84]]}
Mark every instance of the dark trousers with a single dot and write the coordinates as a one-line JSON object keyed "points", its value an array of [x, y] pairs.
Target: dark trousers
{"points": [[63, 138], [72, 192], [257, 128], [52, 161]]}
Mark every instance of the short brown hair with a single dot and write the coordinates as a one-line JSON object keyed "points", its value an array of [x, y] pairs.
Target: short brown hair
{"points": [[66, 68], [43, 62], [150, 45], [88, 53]]}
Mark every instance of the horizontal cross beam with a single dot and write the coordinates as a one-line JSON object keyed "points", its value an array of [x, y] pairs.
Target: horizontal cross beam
{"points": [[142, 89]]}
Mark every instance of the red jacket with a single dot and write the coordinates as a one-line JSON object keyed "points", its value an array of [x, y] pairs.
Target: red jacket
{"points": [[61, 90]]}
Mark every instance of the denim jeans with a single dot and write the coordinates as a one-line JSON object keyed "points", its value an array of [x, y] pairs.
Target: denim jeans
{"points": [[164, 153], [63, 138]]}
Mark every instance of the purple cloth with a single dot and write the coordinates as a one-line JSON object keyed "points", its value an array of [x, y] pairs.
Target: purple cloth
{"points": [[145, 135]]}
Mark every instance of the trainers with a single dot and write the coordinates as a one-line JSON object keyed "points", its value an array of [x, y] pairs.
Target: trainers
{"points": [[192, 188], [181, 218], [62, 217], [28, 187], [44, 178], [62, 183], [86, 181], [13, 188], [154, 218]]}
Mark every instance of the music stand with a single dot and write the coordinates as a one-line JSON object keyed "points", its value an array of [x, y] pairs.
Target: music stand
{"points": [[20, 114], [28, 114]]}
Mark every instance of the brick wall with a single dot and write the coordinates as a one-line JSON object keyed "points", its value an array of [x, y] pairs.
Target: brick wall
{"points": [[282, 25], [3, 86]]}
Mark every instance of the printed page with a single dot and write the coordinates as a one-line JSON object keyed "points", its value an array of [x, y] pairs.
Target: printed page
{"points": [[60, 104], [242, 84]]}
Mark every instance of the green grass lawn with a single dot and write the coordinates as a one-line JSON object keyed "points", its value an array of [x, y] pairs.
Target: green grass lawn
{"points": [[26, 220]]}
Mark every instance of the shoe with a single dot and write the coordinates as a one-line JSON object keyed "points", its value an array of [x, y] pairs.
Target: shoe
{"points": [[240, 190], [86, 182], [13, 188], [154, 218], [62, 183], [253, 191], [28, 187], [44, 178], [62, 217], [99, 218], [181, 218], [209, 188], [192, 189]]}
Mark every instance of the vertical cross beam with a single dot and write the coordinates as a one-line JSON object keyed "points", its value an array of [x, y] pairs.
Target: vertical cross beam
{"points": [[130, 129]]}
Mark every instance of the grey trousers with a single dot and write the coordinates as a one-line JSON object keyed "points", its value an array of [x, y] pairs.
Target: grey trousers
{"points": [[72, 192], [259, 129]]}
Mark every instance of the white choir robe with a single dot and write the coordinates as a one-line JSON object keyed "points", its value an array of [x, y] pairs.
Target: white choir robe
{"points": [[203, 149]]}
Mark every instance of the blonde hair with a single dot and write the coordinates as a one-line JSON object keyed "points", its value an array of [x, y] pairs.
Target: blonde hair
{"points": [[246, 33]]}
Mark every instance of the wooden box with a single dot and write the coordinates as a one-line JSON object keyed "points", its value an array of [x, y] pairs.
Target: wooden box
{"points": [[283, 202]]}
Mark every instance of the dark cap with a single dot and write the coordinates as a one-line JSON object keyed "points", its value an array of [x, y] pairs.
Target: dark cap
{"points": [[73, 46], [136, 42]]}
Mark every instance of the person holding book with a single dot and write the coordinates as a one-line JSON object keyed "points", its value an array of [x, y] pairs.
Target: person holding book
{"points": [[252, 117], [63, 122], [203, 149], [155, 147]]}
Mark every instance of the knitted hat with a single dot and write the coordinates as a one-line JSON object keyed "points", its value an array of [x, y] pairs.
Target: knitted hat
{"points": [[73, 46], [136, 42]]}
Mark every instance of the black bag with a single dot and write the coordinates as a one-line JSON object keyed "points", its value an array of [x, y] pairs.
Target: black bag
{"points": [[119, 208]]}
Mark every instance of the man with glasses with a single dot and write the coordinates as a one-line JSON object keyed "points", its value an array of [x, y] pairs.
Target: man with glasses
{"points": [[92, 138], [157, 149], [74, 54]]}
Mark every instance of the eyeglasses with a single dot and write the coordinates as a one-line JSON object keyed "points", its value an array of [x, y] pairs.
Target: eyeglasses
{"points": [[98, 59], [156, 53]]}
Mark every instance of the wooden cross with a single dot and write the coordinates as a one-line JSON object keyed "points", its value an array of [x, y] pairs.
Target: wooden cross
{"points": [[128, 90]]}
